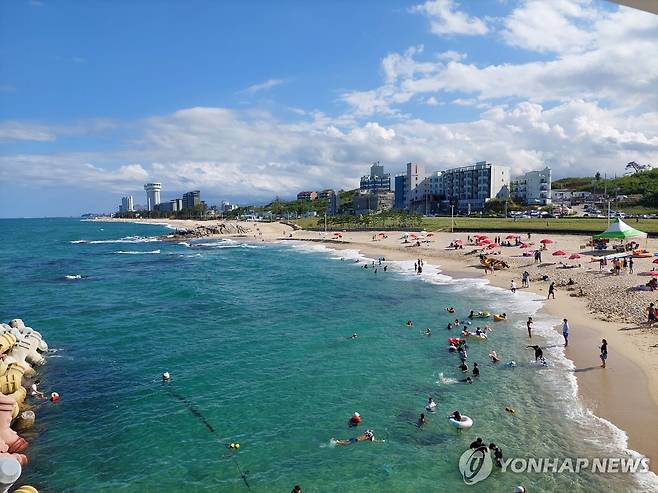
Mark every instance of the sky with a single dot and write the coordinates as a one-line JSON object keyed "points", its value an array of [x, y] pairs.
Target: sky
{"points": [[248, 100]]}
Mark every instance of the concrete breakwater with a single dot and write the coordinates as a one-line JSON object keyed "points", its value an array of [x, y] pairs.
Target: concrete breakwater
{"points": [[21, 354]]}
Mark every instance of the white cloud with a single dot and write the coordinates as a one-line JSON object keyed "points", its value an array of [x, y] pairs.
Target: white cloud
{"points": [[446, 19], [13, 131], [263, 86]]}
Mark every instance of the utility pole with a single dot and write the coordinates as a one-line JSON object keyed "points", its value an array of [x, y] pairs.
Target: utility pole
{"points": [[452, 218], [325, 223]]}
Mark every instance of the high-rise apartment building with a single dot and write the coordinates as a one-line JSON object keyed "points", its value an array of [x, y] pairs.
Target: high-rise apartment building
{"points": [[377, 180], [471, 187], [192, 200], [127, 204], [152, 195], [533, 188]]}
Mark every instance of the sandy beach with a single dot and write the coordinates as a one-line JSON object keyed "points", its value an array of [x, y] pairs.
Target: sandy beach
{"points": [[625, 393]]}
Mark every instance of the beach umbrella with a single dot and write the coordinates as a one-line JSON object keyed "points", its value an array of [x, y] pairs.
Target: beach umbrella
{"points": [[430, 234], [653, 273], [546, 241], [381, 234], [655, 261], [493, 245], [479, 236], [423, 232], [558, 253], [524, 245], [459, 242], [574, 256], [511, 237], [484, 240]]}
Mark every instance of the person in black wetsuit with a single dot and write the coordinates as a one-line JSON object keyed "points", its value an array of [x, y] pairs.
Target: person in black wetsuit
{"points": [[477, 444], [539, 354], [497, 453], [476, 370]]}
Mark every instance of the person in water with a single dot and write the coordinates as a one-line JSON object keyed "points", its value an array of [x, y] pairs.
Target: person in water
{"points": [[456, 322], [494, 357], [34, 390], [539, 354], [431, 405], [497, 453], [463, 366], [428, 331], [449, 327], [472, 314], [565, 331], [410, 323], [462, 354], [467, 380], [456, 415], [450, 309], [477, 444], [529, 325], [353, 336], [297, 489], [366, 436], [476, 370], [355, 420], [421, 420]]}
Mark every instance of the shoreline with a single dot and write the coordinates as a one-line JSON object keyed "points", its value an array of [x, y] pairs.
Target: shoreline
{"points": [[625, 393]]}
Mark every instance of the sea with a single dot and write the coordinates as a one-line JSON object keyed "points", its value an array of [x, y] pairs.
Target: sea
{"points": [[256, 338]]}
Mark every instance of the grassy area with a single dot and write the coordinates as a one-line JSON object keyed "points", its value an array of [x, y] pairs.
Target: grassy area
{"points": [[564, 225]]}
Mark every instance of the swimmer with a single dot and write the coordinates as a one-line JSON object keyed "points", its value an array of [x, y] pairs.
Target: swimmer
{"points": [[462, 354], [410, 323], [476, 370], [431, 405], [472, 314], [421, 420], [450, 309], [449, 327], [494, 357], [428, 331], [478, 331], [34, 391], [456, 322], [353, 336], [463, 367], [539, 354], [477, 444], [467, 380], [385, 267], [367, 436], [456, 415], [497, 453], [511, 364]]}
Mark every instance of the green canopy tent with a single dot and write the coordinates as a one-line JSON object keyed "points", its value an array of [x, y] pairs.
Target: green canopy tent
{"points": [[621, 231]]}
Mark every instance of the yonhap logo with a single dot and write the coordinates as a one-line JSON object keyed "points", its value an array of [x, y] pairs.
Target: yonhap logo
{"points": [[475, 465]]}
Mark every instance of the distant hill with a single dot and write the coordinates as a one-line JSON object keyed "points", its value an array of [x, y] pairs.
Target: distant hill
{"points": [[644, 183]]}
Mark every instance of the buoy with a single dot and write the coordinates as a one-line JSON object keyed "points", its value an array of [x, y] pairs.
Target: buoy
{"points": [[510, 410], [166, 376], [54, 397], [233, 445]]}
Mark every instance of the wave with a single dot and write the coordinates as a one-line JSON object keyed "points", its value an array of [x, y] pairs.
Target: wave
{"points": [[132, 252], [126, 239], [72, 277], [443, 380], [219, 244]]}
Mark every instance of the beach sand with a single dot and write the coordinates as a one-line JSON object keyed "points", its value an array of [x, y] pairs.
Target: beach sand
{"points": [[625, 393]]}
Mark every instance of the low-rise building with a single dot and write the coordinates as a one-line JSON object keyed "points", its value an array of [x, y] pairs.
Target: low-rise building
{"points": [[366, 202], [326, 194]]}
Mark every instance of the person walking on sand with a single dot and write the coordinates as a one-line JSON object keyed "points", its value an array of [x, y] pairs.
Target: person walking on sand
{"points": [[604, 352], [529, 325], [551, 290], [565, 331], [524, 279], [513, 286], [630, 265]]}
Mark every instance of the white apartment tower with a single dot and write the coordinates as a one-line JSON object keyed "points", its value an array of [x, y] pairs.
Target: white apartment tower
{"points": [[152, 195], [127, 204]]}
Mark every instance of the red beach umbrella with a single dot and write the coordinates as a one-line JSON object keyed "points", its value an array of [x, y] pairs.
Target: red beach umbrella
{"points": [[484, 240], [493, 245], [511, 237], [546, 241], [653, 273], [432, 234], [558, 253], [459, 242], [524, 245], [381, 234], [574, 256], [655, 261]]}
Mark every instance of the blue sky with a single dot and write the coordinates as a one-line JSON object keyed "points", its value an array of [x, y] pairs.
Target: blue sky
{"points": [[248, 100]]}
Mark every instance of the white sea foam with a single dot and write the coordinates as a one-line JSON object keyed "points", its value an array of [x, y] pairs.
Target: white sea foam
{"points": [[127, 239], [72, 277], [219, 244], [443, 380], [133, 252]]}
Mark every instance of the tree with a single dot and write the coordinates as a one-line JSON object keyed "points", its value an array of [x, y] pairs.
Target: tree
{"points": [[637, 167]]}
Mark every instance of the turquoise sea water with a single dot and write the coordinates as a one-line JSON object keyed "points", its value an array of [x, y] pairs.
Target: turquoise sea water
{"points": [[255, 337]]}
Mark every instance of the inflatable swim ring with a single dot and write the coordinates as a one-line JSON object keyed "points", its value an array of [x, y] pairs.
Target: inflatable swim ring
{"points": [[499, 316], [464, 424], [481, 314]]}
